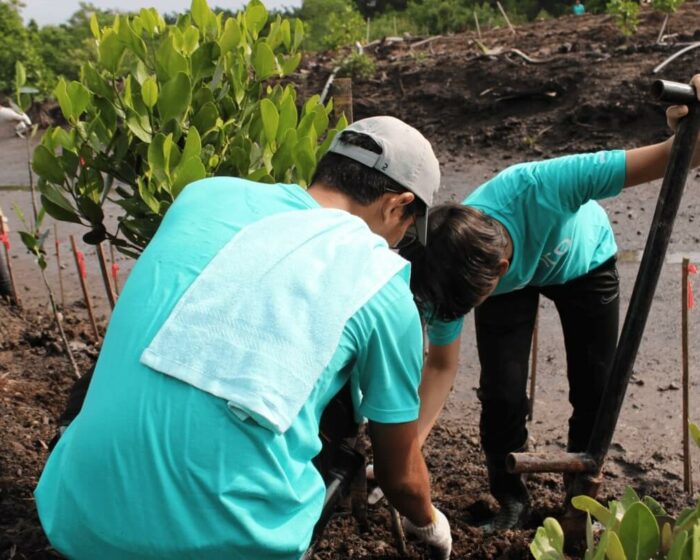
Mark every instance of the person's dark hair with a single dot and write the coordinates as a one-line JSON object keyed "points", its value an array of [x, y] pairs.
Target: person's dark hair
{"points": [[361, 183], [460, 264]]}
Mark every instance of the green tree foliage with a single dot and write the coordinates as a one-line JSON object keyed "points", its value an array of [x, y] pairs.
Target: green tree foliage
{"points": [[17, 46], [667, 6], [626, 14], [165, 105], [330, 24]]}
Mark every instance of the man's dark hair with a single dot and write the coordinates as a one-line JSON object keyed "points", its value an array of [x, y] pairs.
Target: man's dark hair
{"points": [[460, 264], [361, 183]]}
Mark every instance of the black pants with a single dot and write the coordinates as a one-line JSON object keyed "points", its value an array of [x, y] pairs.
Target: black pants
{"points": [[589, 311]]}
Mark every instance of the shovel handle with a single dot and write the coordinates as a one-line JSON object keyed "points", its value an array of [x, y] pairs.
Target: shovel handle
{"points": [[673, 92]]}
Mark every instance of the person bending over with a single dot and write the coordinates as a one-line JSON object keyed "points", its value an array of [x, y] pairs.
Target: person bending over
{"points": [[534, 229]]}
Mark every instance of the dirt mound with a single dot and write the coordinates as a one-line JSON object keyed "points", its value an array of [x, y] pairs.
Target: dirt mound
{"points": [[35, 377], [569, 84]]}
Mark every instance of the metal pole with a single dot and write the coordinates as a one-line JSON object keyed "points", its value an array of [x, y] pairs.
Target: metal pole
{"points": [[645, 285]]}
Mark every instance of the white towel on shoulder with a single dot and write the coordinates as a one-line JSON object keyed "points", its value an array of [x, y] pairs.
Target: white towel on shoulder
{"points": [[262, 321]]}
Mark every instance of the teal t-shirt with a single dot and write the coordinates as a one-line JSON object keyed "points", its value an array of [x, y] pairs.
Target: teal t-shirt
{"points": [[579, 9], [549, 208], [154, 468]]}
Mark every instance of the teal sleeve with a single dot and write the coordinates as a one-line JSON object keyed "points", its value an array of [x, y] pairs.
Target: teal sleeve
{"points": [[567, 183], [388, 368], [442, 333]]}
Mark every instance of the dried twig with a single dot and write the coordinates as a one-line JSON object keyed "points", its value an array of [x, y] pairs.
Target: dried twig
{"points": [[675, 56], [529, 59], [505, 16]]}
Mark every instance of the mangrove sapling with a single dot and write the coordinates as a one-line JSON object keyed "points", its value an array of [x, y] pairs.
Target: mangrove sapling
{"points": [[33, 240], [160, 106], [632, 528]]}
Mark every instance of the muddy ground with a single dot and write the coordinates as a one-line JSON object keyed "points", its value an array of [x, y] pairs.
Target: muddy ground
{"points": [[588, 90]]}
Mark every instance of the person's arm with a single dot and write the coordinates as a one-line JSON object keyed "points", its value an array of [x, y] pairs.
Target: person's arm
{"points": [[400, 470], [649, 162], [439, 374]]}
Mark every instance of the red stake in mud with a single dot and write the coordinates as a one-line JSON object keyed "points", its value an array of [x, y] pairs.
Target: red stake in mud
{"points": [[686, 304], [115, 269], [5, 240], [82, 276]]}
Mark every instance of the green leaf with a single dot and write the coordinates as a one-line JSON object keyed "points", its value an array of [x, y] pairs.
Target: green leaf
{"points": [[203, 17], [95, 82], [156, 159], [298, 34], [286, 32], [146, 192], [666, 538], [264, 61], [45, 164], [111, 51], [58, 212], [139, 126], [677, 546], [149, 92], [191, 40], [288, 117], [629, 497], [255, 17], [169, 61], [79, 98], [270, 119], [94, 26], [696, 541], [283, 158], [231, 37], [655, 507], [20, 75], [694, 432], [60, 92], [175, 98], [305, 159], [187, 172], [320, 120], [614, 550], [193, 145], [586, 503], [206, 117], [290, 64], [686, 519], [639, 533], [554, 533]]}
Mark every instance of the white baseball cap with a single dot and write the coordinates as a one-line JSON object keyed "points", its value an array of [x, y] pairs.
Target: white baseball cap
{"points": [[407, 157]]}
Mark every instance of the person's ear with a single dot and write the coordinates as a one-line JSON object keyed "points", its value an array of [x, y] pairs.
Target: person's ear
{"points": [[395, 203], [503, 266]]}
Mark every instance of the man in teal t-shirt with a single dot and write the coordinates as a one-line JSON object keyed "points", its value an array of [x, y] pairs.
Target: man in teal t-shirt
{"points": [[161, 461], [535, 228], [579, 9]]}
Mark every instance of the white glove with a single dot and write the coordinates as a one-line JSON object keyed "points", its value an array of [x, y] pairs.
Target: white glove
{"points": [[437, 535]]}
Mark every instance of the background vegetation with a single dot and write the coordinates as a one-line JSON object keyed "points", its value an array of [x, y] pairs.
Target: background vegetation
{"points": [[55, 51]]}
